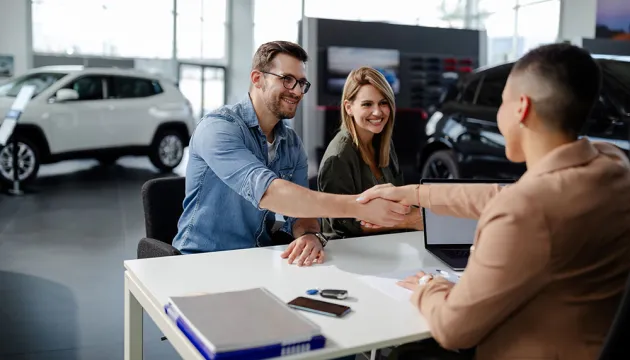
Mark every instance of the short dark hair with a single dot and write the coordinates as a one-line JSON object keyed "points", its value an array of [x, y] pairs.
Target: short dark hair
{"points": [[574, 80], [268, 51]]}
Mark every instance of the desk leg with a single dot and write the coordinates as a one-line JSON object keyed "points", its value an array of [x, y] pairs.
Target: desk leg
{"points": [[374, 354], [133, 325]]}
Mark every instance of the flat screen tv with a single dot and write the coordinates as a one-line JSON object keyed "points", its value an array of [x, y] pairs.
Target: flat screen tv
{"points": [[341, 60]]}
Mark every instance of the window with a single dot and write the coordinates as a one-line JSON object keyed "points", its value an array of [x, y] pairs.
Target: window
{"points": [[468, 95], [41, 81], [491, 91], [128, 87], [104, 27], [436, 13], [201, 29], [276, 20], [537, 24], [88, 87]]}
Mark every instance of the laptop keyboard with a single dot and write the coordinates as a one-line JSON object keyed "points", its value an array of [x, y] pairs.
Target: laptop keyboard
{"points": [[456, 253]]}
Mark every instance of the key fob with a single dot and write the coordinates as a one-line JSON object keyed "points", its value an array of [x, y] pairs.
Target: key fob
{"points": [[334, 294]]}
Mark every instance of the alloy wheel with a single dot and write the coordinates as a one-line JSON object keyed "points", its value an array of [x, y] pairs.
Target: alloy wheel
{"points": [[171, 150], [26, 161]]}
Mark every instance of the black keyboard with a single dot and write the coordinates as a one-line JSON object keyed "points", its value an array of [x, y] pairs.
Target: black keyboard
{"points": [[456, 253]]}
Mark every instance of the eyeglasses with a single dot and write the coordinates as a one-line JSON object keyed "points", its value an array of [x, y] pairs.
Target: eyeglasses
{"points": [[290, 82]]}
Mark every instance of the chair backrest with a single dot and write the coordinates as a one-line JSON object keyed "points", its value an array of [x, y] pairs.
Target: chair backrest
{"points": [[617, 344], [163, 205]]}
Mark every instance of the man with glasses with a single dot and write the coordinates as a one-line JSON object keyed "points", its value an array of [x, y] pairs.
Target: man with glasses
{"points": [[245, 165]]}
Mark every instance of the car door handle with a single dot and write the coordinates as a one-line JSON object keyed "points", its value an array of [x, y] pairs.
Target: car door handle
{"points": [[111, 107]]}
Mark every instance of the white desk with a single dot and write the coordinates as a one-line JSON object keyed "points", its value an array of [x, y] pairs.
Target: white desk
{"points": [[377, 320]]}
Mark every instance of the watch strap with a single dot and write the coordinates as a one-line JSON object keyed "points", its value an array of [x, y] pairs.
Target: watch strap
{"points": [[322, 239]]}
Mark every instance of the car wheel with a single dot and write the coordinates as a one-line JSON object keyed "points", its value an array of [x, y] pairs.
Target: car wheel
{"points": [[441, 165], [28, 161], [167, 150]]}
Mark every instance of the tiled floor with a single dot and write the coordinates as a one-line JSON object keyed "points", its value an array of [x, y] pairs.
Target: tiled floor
{"points": [[61, 263], [61, 254]]}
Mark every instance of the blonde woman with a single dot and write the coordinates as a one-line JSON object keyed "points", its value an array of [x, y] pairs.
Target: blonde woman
{"points": [[362, 154]]}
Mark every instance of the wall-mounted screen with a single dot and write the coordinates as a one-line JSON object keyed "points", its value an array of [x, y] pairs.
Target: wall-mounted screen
{"points": [[613, 19], [342, 60]]}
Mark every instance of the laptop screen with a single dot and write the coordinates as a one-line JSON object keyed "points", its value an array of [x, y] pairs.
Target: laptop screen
{"points": [[450, 230]]}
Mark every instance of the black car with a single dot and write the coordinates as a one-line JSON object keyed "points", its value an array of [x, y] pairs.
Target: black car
{"points": [[463, 140]]}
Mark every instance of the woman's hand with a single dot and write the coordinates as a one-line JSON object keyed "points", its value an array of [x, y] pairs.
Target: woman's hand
{"points": [[413, 220], [406, 195], [411, 282]]}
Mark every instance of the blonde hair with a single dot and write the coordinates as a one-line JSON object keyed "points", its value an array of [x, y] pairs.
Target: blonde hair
{"points": [[356, 79]]}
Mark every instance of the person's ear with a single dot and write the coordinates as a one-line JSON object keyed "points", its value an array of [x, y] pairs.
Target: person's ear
{"points": [[524, 108], [348, 106], [257, 78]]}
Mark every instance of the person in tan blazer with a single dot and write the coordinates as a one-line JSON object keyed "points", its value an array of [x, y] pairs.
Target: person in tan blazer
{"points": [[552, 251]]}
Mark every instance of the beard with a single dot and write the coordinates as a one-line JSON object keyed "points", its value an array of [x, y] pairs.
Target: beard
{"points": [[275, 104]]}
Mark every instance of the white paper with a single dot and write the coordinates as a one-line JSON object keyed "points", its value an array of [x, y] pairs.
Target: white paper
{"points": [[387, 283]]}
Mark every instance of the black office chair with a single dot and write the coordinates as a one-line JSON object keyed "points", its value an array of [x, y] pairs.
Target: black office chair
{"points": [[162, 200], [617, 345]]}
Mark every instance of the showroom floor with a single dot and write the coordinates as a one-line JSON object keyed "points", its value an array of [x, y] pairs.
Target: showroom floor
{"points": [[61, 262]]}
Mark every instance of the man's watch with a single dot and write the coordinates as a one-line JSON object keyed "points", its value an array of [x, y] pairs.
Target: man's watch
{"points": [[322, 239]]}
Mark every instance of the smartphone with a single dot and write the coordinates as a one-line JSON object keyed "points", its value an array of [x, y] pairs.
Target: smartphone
{"points": [[319, 307]]}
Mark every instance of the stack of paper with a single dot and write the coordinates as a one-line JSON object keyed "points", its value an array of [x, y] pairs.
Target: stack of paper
{"points": [[387, 283]]}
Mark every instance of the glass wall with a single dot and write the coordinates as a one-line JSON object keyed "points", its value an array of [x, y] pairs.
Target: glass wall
{"points": [[203, 86], [130, 28], [201, 29], [278, 19], [513, 26], [516, 26], [104, 27]]}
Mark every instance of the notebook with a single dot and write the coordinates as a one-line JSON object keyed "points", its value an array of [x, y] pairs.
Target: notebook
{"points": [[238, 325]]}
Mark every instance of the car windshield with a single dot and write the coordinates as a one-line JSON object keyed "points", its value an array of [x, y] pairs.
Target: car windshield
{"points": [[41, 81], [617, 82]]}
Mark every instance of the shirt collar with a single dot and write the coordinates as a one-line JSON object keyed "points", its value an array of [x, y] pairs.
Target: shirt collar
{"points": [[251, 119], [573, 154]]}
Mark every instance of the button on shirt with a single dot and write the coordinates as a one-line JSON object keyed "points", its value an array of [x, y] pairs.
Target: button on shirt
{"points": [[228, 172]]}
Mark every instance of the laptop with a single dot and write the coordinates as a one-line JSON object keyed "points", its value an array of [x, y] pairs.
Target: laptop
{"points": [[450, 238]]}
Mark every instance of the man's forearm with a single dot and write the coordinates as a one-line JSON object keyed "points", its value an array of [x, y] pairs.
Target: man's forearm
{"points": [[289, 199], [413, 221], [302, 226]]}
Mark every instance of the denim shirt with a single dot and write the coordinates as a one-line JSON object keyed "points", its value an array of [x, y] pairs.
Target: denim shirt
{"points": [[228, 172]]}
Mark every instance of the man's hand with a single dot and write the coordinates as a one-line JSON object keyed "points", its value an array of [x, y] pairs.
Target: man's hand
{"points": [[306, 250], [406, 195], [382, 212]]}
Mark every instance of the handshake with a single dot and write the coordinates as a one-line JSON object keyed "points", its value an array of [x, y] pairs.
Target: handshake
{"points": [[386, 205]]}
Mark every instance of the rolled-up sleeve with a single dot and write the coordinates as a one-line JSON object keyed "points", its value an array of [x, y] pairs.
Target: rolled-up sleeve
{"points": [[300, 177], [508, 266], [459, 200], [221, 144]]}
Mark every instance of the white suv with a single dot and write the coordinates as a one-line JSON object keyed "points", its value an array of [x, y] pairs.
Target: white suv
{"points": [[101, 113]]}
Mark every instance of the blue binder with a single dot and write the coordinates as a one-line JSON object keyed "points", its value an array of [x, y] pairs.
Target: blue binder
{"points": [[209, 352]]}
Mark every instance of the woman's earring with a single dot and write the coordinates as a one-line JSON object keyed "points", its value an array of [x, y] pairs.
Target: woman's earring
{"points": [[521, 125]]}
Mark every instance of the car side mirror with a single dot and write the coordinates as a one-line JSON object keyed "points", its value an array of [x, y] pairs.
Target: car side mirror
{"points": [[63, 95]]}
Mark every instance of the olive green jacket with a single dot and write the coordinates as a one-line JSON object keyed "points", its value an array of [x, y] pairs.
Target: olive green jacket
{"points": [[342, 171]]}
